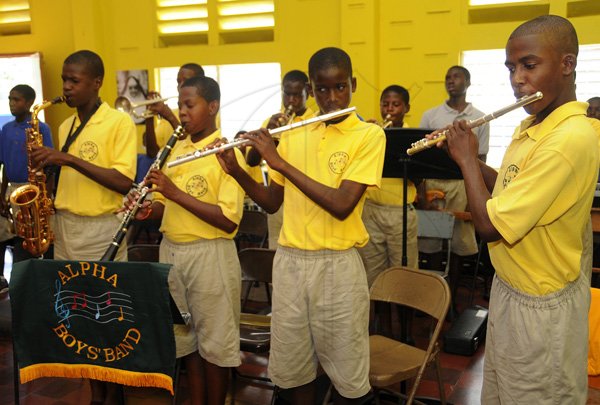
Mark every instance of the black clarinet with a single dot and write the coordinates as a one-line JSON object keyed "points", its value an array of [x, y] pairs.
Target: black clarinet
{"points": [[142, 190]]}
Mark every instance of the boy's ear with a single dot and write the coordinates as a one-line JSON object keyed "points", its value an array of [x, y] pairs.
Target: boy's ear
{"points": [[97, 83], [309, 89], [213, 107], [353, 81], [569, 63], [407, 108]]}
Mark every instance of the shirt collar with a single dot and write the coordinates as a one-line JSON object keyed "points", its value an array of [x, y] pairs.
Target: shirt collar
{"points": [[451, 110], [187, 142], [537, 132], [349, 122]]}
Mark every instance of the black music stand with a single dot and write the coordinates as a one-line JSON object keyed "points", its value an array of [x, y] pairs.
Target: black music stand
{"points": [[433, 163]]}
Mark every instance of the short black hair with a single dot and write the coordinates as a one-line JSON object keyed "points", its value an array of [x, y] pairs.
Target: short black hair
{"points": [[462, 69], [594, 99], [91, 61], [196, 68], [329, 57], [25, 90], [207, 88], [401, 91], [558, 30], [295, 76]]}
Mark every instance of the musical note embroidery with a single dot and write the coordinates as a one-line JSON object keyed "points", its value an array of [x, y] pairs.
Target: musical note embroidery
{"points": [[61, 310], [69, 304], [84, 305]]}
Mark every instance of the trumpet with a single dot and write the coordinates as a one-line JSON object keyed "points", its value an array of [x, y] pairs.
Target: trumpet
{"points": [[387, 122], [287, 117], [125, 105], [188, 157], [425, 143]]}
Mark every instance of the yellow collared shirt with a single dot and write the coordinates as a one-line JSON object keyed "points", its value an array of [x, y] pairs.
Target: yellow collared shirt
{"points": [[108, 140], [542, 199], [205, 180], [350, 150]]}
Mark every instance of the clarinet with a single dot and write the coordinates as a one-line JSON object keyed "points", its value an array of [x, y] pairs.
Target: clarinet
{"points": [[142, 190]]}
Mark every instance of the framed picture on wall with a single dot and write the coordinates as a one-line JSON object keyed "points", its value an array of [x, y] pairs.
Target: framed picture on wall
{"points": [[133, 85]]}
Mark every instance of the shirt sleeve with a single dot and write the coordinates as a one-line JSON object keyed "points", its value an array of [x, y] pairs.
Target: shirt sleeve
{"points": [[366, 166], [125, 147], [231, 194], [484, 139]]}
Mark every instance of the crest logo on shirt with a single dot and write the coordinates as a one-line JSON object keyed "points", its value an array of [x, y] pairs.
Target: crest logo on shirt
{"points": [[338, 162], [88, 151], [196, 186], [511, 172]]}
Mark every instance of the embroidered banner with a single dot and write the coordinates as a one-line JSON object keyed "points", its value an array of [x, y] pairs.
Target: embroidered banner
{"points": [[108, 321]]}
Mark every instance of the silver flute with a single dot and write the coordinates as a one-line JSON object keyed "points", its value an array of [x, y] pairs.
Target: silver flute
{"points": [[188, 157], [425, 143]]}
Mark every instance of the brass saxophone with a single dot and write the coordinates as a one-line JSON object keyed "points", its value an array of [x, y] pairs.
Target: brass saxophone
{"points": [[34, 206]]}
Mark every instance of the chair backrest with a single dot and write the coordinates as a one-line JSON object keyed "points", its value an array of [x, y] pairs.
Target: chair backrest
{"points": [[143, 253], [419, 289], [257, 264], [435, 224], [253, 224]]}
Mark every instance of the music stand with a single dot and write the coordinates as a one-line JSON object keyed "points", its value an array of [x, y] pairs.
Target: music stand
{"points": [[433, 163]]}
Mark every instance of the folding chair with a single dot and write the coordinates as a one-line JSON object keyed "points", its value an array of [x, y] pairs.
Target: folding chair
{"points": [[437, 224], [255, 329], [393, 361]]}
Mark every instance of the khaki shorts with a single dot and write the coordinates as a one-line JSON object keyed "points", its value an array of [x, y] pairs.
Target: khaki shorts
{"points": [[320, 315], [384, 249], [536, 347], [205, 281], [463, 237], [84, 238]]}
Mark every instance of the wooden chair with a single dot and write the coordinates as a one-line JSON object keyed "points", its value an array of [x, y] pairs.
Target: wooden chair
{"points": [[392, 361]]}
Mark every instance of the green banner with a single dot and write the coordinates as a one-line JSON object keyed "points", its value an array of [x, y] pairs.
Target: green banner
{"points": [[109, 321]]}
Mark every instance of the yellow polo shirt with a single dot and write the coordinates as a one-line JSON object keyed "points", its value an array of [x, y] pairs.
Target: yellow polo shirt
{"points": [[391, 191], [350, 150], [108, 140], [297, 118], [542, 199], [205, 180]]}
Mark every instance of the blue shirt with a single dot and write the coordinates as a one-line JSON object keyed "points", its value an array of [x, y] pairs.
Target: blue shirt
{"points": [[12, 148]]}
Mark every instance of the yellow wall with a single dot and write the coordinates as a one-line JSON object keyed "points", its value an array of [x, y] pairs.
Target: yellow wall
{"points": [[408, 42]]}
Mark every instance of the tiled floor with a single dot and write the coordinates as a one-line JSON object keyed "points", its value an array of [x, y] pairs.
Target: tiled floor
{"points": [[461, 374]]}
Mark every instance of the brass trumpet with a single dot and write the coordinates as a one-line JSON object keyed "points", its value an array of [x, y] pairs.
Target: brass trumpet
{"points": [[287, 117], [425, 143], [125, 105], [387, 122]]}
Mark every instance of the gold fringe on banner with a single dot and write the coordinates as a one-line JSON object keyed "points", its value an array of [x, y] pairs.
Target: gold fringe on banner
{"points": [[107, 374]]}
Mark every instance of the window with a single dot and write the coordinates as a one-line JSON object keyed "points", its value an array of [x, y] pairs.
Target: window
{"points": [[189, 22], [19, 69], [245, 103], [490, 90], [495, 2], [14, 17]]}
